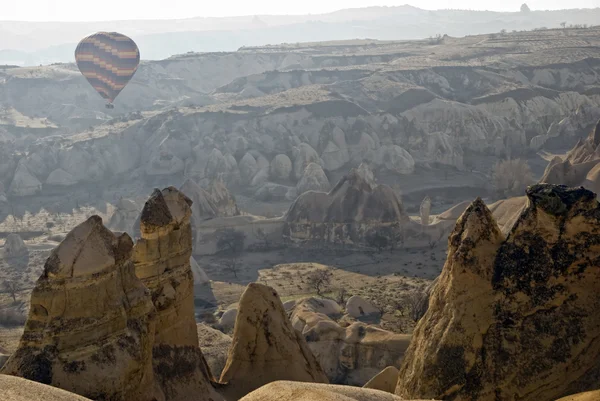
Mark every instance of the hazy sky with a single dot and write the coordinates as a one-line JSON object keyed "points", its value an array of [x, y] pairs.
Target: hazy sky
{"points": [[77, 10]]}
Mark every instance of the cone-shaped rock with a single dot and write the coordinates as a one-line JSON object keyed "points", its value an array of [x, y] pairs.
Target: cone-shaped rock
{"points": [[266, 348], [90, 328], [515, 318]]}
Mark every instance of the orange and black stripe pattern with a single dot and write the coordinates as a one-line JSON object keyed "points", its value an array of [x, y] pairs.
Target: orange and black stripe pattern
{"points": [[108, 61]]}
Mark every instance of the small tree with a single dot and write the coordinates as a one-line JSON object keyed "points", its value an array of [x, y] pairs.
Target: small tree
{"points": [[511, 177], [376, 239], [232, 265], [12, 287], [525, 8], [230, 241], [416, 303], [320, 280], [563, 25]]}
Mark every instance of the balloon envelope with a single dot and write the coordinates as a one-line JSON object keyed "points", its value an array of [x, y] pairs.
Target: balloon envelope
{"points": [[108, 60]]}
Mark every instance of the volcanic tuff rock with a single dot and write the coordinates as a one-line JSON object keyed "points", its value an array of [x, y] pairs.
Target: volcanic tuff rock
{"points": [[18, 389], [354, 207], [515, 317], [97, 346], [385, 380], [348, 355], [313, 179], [124, 216], [215, 346], [162, 261], [14, 246], [266, 347], [294, 391]]}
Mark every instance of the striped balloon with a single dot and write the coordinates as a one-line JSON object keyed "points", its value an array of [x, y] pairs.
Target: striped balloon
{"points": [[108, 60]]}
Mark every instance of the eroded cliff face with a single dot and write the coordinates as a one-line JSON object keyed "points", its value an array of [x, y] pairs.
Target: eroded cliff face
{"points": [[516, 317], [91, 326], [353, 210], [162, 262]]}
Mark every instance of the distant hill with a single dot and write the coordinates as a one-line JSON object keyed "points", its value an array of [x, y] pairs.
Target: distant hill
{"points": [[34, 43]]}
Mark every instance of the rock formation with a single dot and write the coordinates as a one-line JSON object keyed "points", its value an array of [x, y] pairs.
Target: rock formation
{"points": [[18, 389], [266, 348], [281, 167], [14, 246], [222, 198], [513, 317], [358, 308], [124, 216], [385, 380], [425, 211], [313, 179], [162, 261], [100, 345], [215, 347], [295, 391], [24, 183], [348, 355], [587, 396], [355, 207]]}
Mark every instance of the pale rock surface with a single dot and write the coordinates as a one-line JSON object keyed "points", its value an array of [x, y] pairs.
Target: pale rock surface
{"points": [[313, 179], [385, 380], [18, 389], [295, 391], [216, 164], [24, 183], [394, 159], [358, 307], [91, 324], [333, 157], [222, 198], [587, 396], [227, 320], [215, 347], [248, 168], [266, 348], [425, 211], [124, 216], [60, 178], [162, 261], [14, 246], [200, 276], [281, 168], [304, 155], [203, 206], [480, 338]]}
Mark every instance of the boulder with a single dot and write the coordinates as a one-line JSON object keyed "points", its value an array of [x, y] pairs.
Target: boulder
{"points": [[385, 380], [60, 178], [513, 317], [14, 246], [304, 155], [248, 168], [394, 159], [295, 391], [266, 348], [227, 320], [90, 328], [24, 183], [281, 168], [18, 389], [162, 262], [215, 346], [313, 179], [358, 307]]}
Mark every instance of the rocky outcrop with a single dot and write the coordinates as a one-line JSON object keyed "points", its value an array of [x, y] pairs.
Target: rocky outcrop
{"points": [[162, 262], [348, 355], [281, 168], [91, 323], [358, 308], [266, 348], [24, 183], [385, 380], [513, 317], [294, 391], [394, 159], [587, 396], [304, 155], [215, 347], [14, 246], [17, 389], [353, 209], [248, 168], [425, 211], [60, 178], [124, 217], [222, 198], [313, 179]]}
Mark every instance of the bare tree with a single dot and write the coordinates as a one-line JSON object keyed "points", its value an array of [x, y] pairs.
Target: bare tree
{"points": [[12, 287], [511, 177], [230, 241], [341, 296], [232, 265], [563, 25], [320, 280], [416, 303]]}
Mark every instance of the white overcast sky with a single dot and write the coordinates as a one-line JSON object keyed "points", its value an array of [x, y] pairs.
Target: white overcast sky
{"points": [[80, 10]]}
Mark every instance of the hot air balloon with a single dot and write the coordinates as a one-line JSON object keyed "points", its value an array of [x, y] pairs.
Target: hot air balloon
{"points": [[108, 60]]}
